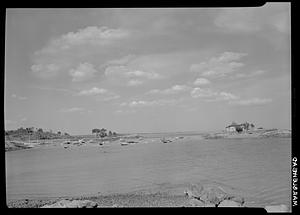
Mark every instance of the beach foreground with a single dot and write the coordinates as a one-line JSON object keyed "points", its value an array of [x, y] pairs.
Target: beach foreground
{"points": [[116, 200]]}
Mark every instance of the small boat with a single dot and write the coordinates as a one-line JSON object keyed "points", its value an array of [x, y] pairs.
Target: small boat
{"points": [[124, 143]]}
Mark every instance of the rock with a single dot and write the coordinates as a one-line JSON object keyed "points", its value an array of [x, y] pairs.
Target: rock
{"points": [[237, 199], [196, 203], [213, 195], [229, 203], [277, 208], [194, 191], [72, 204]]}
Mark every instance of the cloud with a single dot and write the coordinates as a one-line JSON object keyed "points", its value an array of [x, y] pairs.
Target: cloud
{"points": [[45, 70], [142, 74], [84, 72], [91, 35], [125, 111], [249, 75], [202, 93], [91, 44], [252, 101], [18, 97], [99, 93], [251, 20], [201, 81], [129, 74], [219, 66], [59, 90], [75, 110], [211, 95], [93, 91], [134, 82], [173, 90], [151, 103], [72, 110]]}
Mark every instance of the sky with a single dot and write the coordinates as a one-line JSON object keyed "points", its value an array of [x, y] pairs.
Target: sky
{"points": [[147, 69]]}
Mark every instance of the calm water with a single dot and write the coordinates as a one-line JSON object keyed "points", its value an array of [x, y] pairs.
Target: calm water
{"points": [[259, 169]]}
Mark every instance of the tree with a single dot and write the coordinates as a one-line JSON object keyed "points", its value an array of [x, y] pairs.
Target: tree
{"points": [[114, 133], [59, 133], [239, 129], [40, 130], [246, 125], [110, 133], [96, 131], [102, 132]]}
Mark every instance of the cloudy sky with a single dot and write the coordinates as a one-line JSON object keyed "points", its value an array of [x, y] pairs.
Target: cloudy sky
{"points": [[148, 70]]}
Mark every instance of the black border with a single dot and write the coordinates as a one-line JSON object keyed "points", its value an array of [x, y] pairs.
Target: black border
{"points": [[153, 4]]}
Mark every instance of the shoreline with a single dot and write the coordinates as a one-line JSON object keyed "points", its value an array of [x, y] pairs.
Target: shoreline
{"points": [[137, 138]]}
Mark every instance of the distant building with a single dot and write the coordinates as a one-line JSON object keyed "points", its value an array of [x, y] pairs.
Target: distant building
{"points": [[234, 127]]}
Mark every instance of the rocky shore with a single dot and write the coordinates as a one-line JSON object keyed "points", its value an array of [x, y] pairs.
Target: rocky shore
{"points": [[264, 133], [137, 139], [194, 195]]}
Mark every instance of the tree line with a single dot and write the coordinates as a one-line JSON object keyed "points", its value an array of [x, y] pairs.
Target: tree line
{"points": [[103, 132], [36, 133]]}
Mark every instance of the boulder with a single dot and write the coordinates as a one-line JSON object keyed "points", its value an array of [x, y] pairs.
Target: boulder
{"points": [[213, 195], [237, 199], [229, 203], [194, 191], [277, 208], [196, 203]]}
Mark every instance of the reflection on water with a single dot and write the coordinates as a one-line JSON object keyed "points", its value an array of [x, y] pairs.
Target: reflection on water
{"points": [[257, 168]]}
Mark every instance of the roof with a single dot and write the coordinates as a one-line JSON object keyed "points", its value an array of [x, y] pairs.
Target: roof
{"points": [[232, 125]]}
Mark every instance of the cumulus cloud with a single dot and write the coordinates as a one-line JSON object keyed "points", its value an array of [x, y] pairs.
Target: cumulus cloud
{"points": [[121, 74], [173, 90], [125, 111], [99, 93], [138, 73], [201, 81], [45, 70], [211, 95], [250, 74], [202, 93], [84, 72], [93, 91], [75, 110], [71, 110], [134, 82], [151, 103], [91, 35], [252, 101], [219, 66], [89, 44]]}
